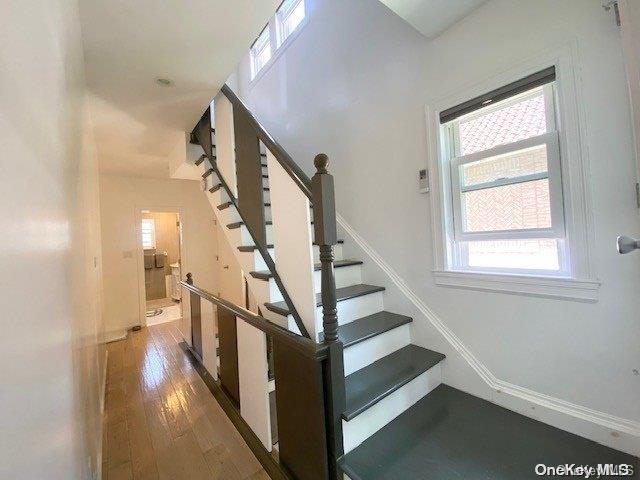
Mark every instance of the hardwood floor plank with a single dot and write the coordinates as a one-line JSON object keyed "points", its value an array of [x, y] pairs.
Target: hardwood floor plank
{"points": [[221, 465], [161, 421], [121, 472], [117, 444]]}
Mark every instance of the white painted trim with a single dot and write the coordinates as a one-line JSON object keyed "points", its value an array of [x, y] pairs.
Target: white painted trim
{"points": [[573, 149], [606, 425], [103, 386], [115, 335], [535, 286]]}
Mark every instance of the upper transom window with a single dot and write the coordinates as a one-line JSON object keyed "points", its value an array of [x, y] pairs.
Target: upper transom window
{"points": [[288, 17]]}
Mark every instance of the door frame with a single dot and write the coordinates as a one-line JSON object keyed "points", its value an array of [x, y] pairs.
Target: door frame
{"points": [[142, 296]]}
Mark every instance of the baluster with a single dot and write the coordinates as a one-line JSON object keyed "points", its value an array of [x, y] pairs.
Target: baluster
{"points": [[324, 221]]}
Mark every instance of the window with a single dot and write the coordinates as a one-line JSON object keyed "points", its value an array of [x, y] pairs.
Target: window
{"points": [[260, 52], [288, 17], [502, 152], [148, 233], [272, 41]]}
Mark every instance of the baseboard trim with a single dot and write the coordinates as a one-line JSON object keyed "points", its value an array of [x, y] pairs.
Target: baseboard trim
{"points": [[115, 336], [613, 426], [271, 466]]}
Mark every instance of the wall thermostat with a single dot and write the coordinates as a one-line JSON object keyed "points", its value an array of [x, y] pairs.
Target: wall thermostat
{"points": [[423, 181]]}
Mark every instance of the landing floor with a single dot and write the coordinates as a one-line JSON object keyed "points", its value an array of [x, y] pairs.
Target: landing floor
{"points": [[450, 435]]}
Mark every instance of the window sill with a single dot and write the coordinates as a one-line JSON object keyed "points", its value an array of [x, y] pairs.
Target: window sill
{"points": [[533, 286]]}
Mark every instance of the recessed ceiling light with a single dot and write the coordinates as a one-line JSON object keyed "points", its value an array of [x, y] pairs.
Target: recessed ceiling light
{"points": [[165, 82]]}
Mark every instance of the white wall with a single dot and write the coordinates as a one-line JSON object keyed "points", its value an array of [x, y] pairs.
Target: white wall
{"points": [[52, 359], [120, 198], [354, 84]]}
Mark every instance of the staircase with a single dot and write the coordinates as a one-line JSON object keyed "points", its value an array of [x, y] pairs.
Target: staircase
{"points": [[398, 420]]}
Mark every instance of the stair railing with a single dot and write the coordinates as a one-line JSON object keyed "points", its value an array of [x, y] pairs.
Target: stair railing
{"points": [[249, 201]]}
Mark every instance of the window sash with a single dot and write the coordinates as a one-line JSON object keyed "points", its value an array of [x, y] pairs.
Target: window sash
{"points": [[550, 140], [148, 233], [262, 43], [461, 262], [282, 15]]}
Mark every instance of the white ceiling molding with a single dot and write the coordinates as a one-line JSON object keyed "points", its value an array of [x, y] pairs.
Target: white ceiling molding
{"points": [[432, 17]]}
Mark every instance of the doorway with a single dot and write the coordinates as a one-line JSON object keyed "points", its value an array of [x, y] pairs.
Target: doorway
{"points": [[160, 237]]}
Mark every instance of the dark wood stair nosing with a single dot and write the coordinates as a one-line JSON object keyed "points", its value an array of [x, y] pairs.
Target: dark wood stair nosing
{"points": [[342, 294], [266, 274], [224, 205], [370, 326], [215, 188]]}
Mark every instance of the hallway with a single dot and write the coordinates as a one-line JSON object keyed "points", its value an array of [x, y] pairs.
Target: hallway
{"points": [[161, 421]]}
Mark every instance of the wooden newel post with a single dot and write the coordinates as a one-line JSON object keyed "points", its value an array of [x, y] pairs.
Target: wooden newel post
{"points": [[189, 278], [324, 221]]}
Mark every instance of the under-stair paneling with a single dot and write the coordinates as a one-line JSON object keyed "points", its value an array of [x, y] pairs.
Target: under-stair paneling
{"points": [[207, 317], [185, 321], [225, 141], [293, 242], [253, 377]]}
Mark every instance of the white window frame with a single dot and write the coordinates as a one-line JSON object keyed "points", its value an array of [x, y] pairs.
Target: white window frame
{"points": [[281, 16], [451, 156], [577, 281], [254, 52], [152, 231]]}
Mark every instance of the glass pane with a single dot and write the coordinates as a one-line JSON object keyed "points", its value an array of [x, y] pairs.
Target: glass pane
{"points": [[261, 58], [287, 6], [510, 207], [530, 254], [291, 19], [510, 165], [501, 125]]}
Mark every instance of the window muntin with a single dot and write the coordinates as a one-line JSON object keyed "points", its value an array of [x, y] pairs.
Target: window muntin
{"points": [[506, 187], [260, 52], [148, 233], [290, 14]]}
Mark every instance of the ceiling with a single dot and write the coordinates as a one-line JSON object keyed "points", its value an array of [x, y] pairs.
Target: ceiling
{"points": [[129, 44], [432, 17]]}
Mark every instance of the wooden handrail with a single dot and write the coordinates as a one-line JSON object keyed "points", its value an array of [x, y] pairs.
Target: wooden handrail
{"points": [[291, 167], [304, 345]]}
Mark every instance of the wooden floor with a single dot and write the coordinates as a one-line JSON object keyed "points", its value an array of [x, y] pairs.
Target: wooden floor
{"points": [[161, 421]]}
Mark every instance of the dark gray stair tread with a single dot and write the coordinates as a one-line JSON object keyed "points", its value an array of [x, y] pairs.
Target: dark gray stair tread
{"points": [[266, 274], [215, 188], [201, 159], [239, 224], [224, 205], [250, 248], [451, 435], [367, 327], [207, 173], [369, 385], [343, 293]]}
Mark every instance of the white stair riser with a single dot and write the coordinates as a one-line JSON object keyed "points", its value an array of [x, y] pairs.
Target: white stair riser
{"points": [[373, 419], [365, 353], [353, 308], [345, 276], [259, 265]]}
